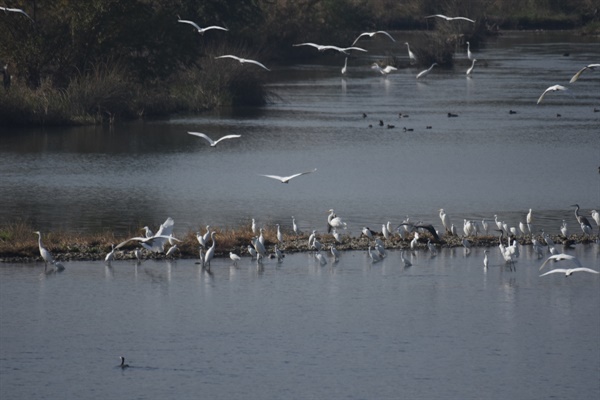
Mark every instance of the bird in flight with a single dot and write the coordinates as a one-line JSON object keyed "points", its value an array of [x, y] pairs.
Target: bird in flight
{"points": [[286, 179], [449, 18], [578, 74], [201, 30], [16, 10], [321, 47], [371, 34], [243, 60], [568, 272], [562, 257], [384, 71], [553, 88], [213, 143]]}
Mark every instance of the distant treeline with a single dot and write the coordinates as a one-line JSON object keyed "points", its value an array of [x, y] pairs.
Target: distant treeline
{"points": [[95, 60]]}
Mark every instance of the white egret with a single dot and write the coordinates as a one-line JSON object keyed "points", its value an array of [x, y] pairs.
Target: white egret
{"points": [[424, 73], [335, 253], [210, 253], [431, 248], [321, 47], [261, 237], [278, 254], [568, 272], [213, 143], [486, 262], [252, 252], [578, 74], [563, 229], [345, 67], [200, 239], [385, 232], [373, 255], [321, 259], [311, 238], [562, 257], [16, 10], [286, 179], [316, 244], [253, 226], [411, 55], [243, 60], [206, 235], [295, 226], [201, 30], [450, 18], [472, 66], [529, 217], [138, 254], [336, 236], [371, 34], [367, 232], [259, 247], [486, 226], [334, 221], [171, 251], [46, 255], [111, 255], [522, 228], [156, 242], [405, 260], [389, 228], [554, 88], [467, 245], [596, 217], [384, 71], [279, 234], [147, 232], [469, 54], [445, 220], [587, 229]]}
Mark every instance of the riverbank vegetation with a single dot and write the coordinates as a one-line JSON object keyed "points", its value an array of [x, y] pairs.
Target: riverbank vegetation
{"points": [[83, 62]]}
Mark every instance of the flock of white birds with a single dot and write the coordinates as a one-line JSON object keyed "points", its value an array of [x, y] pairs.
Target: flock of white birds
{"points": [[257, 249]]}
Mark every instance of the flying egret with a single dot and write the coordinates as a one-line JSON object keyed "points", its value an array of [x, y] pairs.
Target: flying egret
{"points": [[46, 255], [345, 67], [553, 88], [411, 55], [384, 71], [201, 30], [213, 143], [424, 73], [469, 54], [321, 47], [578, 74], [243, 60], [562, 257], [450, 18], [16, 10], [156, 242], [286, 179], [371, 34], [472, 66], [568, 272]]}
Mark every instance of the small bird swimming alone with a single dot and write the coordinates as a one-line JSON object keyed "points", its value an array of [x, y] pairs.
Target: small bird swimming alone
{"points": [[213, 143], [286, 179], [123, 365]]}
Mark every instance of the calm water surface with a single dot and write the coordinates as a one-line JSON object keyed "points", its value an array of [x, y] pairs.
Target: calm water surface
{"points": [[441, 329], [484, 162]]}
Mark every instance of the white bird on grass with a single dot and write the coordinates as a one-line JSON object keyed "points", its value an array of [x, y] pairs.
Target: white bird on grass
{"points": [[411, 55], [286, 179], [383, 71], [243, 60], [450, 18], [46, 255], [201, 30], [371, 34], [213, 143], [578, 74], [424, 73], [568, 272], [321, 47], [472, 66], [16, 10], [279, 234], [554, 88]]}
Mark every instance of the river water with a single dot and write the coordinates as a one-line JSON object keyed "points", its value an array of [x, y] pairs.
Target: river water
{"points": [[486, 161], [444, 328]]}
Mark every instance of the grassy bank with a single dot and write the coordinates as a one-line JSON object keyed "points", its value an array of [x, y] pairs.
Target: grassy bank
{"points": [[18, 243]]}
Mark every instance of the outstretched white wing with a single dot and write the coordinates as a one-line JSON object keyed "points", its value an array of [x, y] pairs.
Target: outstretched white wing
{"points": [[195, 25], [203, 136]]}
